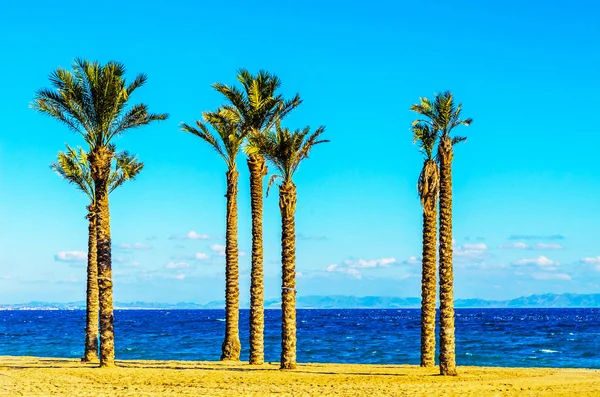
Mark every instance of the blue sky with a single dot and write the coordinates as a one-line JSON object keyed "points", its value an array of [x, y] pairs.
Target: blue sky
{"points": [[526, 183]]}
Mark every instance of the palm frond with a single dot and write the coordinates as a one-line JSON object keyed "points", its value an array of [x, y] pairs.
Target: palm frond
{"points": [[135, 117], [272, 180], [127, 167], [458, 139], [139, 81]]}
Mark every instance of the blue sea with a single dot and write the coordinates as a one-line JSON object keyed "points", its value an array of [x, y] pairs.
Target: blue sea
{"points": [[487, 337]]}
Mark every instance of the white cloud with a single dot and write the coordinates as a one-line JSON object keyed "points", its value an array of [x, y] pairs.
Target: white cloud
{"points": [[200, 256], [346, 270], [593, 261], [6, 277], [477, 247], [350, 267], [383, 262], [354, 273], [552, 246], [218, 249], [179, 276], [133, 264], [519, 245], [470, 253], [413, 260], [191, 235], [535, 247], [70, 256], [541, 261], [551, 276], [177, 265]]}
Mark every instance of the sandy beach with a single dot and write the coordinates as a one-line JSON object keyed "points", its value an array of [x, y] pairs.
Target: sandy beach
{"points": [[32, 376]]}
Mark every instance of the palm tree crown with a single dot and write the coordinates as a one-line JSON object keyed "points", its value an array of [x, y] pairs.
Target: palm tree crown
{"points": [[428, 184], [284, 148], [73, 165], [230, 137], [256, 106], [91, 101], [442, 115]]}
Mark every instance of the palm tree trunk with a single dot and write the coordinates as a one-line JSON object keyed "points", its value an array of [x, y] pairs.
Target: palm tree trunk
{"points": [[100, 160], [447, 345], [428, 290], [258, 170], [92, 306], [231, 345], [287, 206]]}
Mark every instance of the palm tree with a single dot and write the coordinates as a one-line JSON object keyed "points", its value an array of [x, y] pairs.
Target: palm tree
{"points": [[91, 101], [286, 149], [255, 108], [227, 145], [443, 115], [74, 167], [428, 189]]}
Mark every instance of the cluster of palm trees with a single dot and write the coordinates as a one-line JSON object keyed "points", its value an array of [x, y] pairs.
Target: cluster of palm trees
{"points": [[442, 115], [253, 116], [91, 100]]}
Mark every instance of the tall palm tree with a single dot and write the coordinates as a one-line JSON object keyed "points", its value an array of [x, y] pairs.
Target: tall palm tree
{"points": [[73, 165], [228, 143], [255, 108], [428, 189], [91, 100], [286, 149], [443, 115]]}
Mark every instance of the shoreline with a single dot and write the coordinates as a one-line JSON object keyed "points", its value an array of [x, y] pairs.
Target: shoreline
{"points": [[39, 376]]}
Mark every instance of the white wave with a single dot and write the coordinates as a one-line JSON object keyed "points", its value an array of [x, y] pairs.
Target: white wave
{"points": [[549, 351]]}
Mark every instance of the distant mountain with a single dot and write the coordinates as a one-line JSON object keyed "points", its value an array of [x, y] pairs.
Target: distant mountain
{"points": [[342, 302]]}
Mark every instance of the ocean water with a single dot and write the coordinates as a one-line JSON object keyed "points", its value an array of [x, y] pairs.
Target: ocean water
{"points": [[489, 337]]}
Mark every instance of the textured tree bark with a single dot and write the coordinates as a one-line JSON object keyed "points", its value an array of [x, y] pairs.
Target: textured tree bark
{"points": [[447, 344], [100, 161], [287, 207], [92, 306], [231, 345], [258, 170], [428, 288]]}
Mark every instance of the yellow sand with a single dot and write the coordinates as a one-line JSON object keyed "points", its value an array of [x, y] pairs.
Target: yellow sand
{"points": [[31, 376]]}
